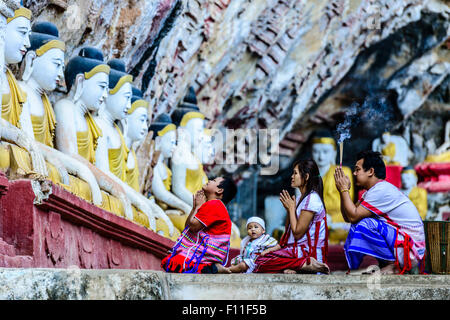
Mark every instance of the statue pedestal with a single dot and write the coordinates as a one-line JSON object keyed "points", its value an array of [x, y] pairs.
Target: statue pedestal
{"points": [[436, 176], [57, 229]]}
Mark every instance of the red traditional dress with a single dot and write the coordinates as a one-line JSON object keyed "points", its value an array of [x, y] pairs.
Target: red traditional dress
{"points": [[198, 252], [294, 253]]}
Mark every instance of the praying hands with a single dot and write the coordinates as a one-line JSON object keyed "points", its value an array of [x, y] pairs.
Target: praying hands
{"points": [[199, 198], [342, 181], [288, 201]]}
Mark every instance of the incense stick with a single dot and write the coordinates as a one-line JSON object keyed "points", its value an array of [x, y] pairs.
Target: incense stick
{"points": [[341, 149]]}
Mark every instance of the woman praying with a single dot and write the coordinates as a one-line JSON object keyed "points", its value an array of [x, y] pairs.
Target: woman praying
{"points": [[304, 244]]}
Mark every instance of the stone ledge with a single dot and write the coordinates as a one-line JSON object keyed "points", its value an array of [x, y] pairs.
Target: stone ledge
{"points": [[83, 284]]}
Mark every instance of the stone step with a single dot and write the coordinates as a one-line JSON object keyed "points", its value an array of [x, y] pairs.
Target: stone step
{"points": [[16, 261], [7, 249], [158, 285]]}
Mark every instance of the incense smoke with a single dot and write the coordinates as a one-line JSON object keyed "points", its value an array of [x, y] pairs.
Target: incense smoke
{"points": [[375, 115], [351, 119]]}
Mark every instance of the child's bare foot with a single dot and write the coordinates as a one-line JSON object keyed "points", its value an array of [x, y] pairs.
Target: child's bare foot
{"points": [[315, 266], [222, 269], [289, 271]]}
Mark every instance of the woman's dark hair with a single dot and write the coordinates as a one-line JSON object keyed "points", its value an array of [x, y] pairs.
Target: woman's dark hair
{"points": [[314, 183], [229, 189], [373, 159]]}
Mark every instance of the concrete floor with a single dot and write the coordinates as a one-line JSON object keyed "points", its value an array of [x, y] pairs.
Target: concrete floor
{"points": [[76, 284]]}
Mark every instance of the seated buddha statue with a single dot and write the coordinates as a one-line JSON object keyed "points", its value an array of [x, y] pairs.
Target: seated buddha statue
{"points": [[416, 194], [324, 154], [188, 175], [135, 128], [394, 149], [14, 138], [442, 153], [77, 133], [165, 142], [44, 65], [206, 152], [112, 152]]}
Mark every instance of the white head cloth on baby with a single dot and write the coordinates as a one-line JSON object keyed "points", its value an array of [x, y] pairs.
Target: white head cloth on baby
{"points": [[257, 220]]}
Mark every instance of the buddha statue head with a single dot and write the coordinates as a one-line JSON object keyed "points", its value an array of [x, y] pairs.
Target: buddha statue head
{"points": [[207, 147], [17, 33], [385, 137], [409, 178], [87, 78], [118, 101], [188, 117], [324, 150], [137, 120], [44, 61], [164, 133]]}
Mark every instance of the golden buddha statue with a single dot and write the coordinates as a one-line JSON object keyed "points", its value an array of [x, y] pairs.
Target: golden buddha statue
{"points": [[324, 154], [394, 149], [417, 195]]}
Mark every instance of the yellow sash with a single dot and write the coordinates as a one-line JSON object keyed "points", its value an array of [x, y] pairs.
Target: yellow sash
{"points": [[168, 181], [12, 103], [118, 158], [195, 179], [44, 126], [87, 141], [133, 174]]}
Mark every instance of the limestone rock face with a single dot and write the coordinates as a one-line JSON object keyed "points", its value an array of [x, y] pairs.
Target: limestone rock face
{"points": [[258, 64], [292, 65]]}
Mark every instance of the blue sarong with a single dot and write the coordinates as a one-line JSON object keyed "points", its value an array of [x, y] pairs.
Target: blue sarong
{"points": [[371, 237]]}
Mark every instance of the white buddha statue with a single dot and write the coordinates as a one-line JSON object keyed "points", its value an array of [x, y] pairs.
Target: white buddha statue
{"points": [[417, 195], [112, 152], [187, 170], [44, 65], [135, 128], [441, 154], [324, 154], [164, 134], [395, 149], [17, 31], [77, 133]]}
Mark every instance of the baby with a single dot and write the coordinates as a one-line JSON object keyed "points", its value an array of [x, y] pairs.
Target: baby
{"points": [[252, 246]]}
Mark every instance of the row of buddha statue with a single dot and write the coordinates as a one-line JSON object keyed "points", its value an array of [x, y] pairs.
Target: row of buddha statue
{"points": [[86, 142]]}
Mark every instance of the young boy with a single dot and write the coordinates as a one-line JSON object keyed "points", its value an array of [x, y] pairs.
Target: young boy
{"points": [[203, 246], [252, 245]]}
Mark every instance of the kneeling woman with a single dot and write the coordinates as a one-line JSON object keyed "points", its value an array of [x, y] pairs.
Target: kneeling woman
{"points": [[304, 244]]}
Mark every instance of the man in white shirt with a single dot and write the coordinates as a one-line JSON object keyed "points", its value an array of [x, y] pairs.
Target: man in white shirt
{"points": [[385, 223]]}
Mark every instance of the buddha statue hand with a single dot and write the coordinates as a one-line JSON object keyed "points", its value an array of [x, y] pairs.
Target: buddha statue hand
{"points": [[13, 134], [126, 204], [187, 209], [159, 212], [57, 163]]}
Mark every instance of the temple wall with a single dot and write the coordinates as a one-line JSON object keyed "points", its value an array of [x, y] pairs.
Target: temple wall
{"points": [[48, 227]]}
